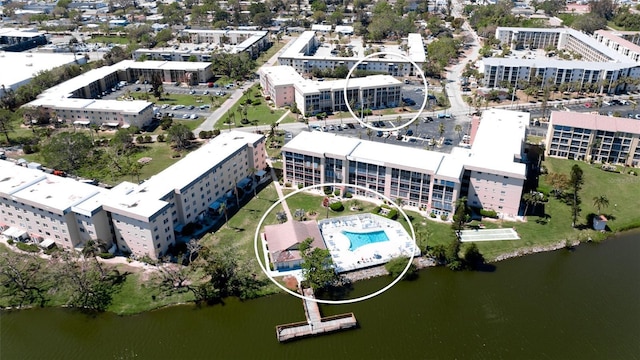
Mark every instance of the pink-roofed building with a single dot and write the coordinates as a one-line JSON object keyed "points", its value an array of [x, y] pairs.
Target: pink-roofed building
{"points": [[593, 137], [619, 44], [284, 242]]}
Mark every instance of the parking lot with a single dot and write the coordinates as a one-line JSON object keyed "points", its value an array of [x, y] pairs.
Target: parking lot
{"points": [[177, 111], [419, 136]]}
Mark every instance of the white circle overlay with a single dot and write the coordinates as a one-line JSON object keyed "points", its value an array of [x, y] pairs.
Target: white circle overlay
{"points": [[333, 302], [418, 70]]}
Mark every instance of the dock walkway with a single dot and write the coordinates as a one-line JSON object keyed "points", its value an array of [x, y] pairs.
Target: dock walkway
{"points": [[315, 323]]}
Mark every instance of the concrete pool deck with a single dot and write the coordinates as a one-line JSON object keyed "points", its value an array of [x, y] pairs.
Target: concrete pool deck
{"points": [[399, 242]]}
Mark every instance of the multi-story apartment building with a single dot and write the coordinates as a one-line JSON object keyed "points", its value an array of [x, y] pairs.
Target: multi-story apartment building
{"points": [[593, 137], [599, 64], [141, 219], [78, 99], [490, 175], [616, 42], [12, 39], [286, 87], [301, 55]]}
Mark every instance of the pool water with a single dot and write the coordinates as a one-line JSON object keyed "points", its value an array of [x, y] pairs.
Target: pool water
{"points": [[360, 239]]}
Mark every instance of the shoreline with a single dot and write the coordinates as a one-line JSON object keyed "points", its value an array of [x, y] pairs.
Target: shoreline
{"points": [[421, 262]]}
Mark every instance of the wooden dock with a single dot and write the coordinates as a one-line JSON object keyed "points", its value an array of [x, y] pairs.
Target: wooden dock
{"points": [[315, 324]]}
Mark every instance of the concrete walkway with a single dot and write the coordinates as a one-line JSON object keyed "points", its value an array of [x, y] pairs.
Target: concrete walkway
{"points": [[278, 187], [284, 116]]}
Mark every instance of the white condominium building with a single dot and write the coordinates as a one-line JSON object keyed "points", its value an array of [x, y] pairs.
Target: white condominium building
{"points": [[616, 42], [141, 219], [592, 137], [491, 174], [78, 99], [600, 65], [285, 86], [302, 56]]}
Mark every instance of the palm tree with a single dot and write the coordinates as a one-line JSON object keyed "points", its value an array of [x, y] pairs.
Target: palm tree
{"points": [[92, 249], [299, 214], [399, 202], [369, 133], [441, 129], [600, 202], [530, 198], [281, 216], [458, 129], [223, 209]]}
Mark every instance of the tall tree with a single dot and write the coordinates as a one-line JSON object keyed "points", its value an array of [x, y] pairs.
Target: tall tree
{"points": [[23, 280], [7, 124], [180, 136], [576, 180], [317, 266], [68, 151]]}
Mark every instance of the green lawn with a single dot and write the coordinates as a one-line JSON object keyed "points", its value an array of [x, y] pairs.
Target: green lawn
{"points": [[265, 56], [136, 295], [262, 112]]}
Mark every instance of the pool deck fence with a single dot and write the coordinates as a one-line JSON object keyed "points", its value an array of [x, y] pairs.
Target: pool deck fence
{"points": [[315, 324]]}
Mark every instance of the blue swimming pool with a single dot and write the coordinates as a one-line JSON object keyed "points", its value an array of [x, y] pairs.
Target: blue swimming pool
{"points": [[361, 239]]}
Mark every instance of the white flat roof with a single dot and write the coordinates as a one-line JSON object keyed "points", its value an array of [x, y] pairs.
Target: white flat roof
{"points": [[226, 32], [322, 142], [498, 142], [282, 75], [55, 192], [25, 65], [295, 49], [164, 65], [20, 32], [416, 48], [367, 82], [131, 107], [14, 178]]}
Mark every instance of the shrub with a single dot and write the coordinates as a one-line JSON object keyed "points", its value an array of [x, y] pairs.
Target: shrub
{"points": [[147, 138], [216, 132], [443, 217], [432, 215], [29, 149], [327, 190], [348, 195], [300, 186], [336, 206], [376, 210], [336, 192], [106, 255], [205, 134], [10, 241], [161, 138], [489, 213], [140, 139], [287, 184], [244, 121], [27, 247], [393, 214], [396, 266]]}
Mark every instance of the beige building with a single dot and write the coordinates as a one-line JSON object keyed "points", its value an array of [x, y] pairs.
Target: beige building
{"points": [[600, 138], [141, 219]]}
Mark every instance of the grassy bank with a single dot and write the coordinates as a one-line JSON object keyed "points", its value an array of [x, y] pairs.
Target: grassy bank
{"points": [[259, 113]]}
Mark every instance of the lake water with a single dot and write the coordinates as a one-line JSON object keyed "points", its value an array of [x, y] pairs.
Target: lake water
{"points": [[583, 304]]}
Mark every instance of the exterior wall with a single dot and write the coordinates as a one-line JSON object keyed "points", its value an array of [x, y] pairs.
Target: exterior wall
{"points": [[40, 223], [100, 117], [417, 187], [492, 191], [579, 143], [143, 237]]}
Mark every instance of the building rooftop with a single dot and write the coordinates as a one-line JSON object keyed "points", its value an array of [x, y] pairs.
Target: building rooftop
{"points": [[282, 75], [133, 107], [14, 178], [611, 35], [416, 48], [25, 65], [497, 144], [296, 48], [311, 86], [324, 142], [595, 122], [55, 193], [163, 65], [13, 32]]}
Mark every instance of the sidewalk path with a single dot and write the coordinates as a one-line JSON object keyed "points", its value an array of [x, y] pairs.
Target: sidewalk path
{"points": [[284, 116], [274, 177]]}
